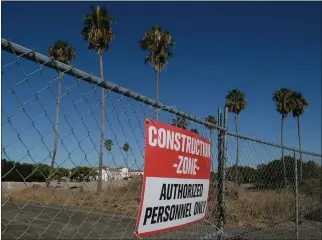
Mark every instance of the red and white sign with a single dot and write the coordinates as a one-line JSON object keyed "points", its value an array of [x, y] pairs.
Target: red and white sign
{"points": [[176, 179]]}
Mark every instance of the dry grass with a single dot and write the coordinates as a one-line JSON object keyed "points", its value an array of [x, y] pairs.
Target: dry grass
{"points": [[243, 208], [114, 198], [259, 208]]}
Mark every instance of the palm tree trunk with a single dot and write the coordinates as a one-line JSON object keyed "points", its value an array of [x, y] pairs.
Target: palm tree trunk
{"points": [[237, 149], [60, 75], [108, 162], [100, 183], [282, 143], [300, 148], [157, 94]]}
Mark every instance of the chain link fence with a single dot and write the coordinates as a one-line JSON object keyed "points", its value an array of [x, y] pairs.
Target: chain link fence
{"points": [[248, 201], [259, 203], [70, 207]]}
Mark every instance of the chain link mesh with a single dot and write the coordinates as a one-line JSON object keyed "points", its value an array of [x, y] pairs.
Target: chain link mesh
{"points": [[256, 203], [70, 207]]}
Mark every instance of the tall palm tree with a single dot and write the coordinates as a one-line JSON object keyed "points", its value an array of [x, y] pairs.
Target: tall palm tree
{"points": [[236, 102], [63, 52], [283, 103], [180, 122], [158, 44], [126, 148], [98, 33], [211, 119], [299, 104]]}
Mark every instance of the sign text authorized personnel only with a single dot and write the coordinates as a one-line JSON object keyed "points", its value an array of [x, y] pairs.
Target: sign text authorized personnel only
{"points": [[176, 179]]}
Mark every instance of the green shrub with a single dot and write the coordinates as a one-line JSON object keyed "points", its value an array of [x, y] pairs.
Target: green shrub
{"points": [[311, 187]]}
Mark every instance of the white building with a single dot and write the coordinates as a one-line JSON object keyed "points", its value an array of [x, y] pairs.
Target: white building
{"points": [[122, 173], [136, 172], [114, 173]]}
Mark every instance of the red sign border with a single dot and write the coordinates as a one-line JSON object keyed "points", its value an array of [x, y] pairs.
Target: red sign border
{"points": [[136, 234]]}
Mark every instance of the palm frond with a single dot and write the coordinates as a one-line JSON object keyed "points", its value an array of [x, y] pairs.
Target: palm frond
{"points": [[283, 100], [126, 147], [211, 119], [97, 29], [235, 101], [180, 122], [108, 144], [62, 51], [158, 44], [299, 104]]}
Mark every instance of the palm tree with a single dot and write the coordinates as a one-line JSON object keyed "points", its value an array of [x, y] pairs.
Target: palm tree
{"points": [[236, 102], [126, 148], [158, 44], [180, 122], [98, 33], [108, 145], [211, 119], [194, 130], [63, 52], [283, 102], [299, 104]]}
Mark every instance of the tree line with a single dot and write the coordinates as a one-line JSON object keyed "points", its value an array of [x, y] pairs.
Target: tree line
{"points": [[27, 172], [159, 45], [270, 175]]}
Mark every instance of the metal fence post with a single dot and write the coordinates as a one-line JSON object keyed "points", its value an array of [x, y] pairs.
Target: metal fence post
{"points": [[296, 197], [221, 190], [129, 108], [223, 167], [212, 150]]}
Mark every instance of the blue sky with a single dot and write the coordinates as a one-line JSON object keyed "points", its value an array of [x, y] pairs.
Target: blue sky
{"points": [[256, 47]]}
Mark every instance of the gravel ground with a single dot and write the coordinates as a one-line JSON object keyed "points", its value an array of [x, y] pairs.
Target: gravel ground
{"points": [[54, 223], [34, 221]]}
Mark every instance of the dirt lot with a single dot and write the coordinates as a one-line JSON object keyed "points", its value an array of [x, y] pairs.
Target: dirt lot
{"points": [[117, 195], [244, 209], [88, 186]]}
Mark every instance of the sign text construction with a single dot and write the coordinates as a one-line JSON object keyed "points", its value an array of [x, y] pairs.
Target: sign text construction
{"points": [[176, 179]]}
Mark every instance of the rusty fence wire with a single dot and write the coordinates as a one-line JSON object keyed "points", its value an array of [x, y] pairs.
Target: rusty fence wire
{"points": [[252, 204]]}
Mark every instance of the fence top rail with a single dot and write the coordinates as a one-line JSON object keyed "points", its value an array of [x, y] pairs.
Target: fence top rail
{"points": [[20, 51], [50, 62], [273, 144]]}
